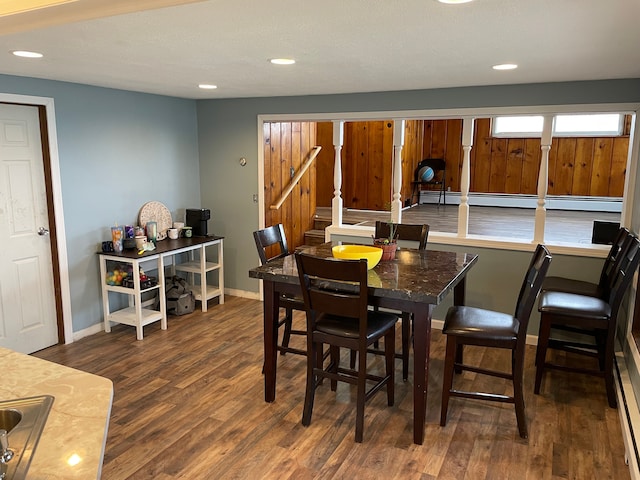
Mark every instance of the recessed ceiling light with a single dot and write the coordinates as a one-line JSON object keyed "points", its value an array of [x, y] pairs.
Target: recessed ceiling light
{"points": [[452, 2], [206, 86], [282, 61], [505, 66], [26, 54]]}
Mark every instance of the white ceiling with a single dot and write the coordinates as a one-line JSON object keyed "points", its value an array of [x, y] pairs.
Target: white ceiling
{"points": [[341, 46]]}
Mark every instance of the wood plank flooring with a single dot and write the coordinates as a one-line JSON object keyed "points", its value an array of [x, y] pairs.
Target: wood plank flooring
{"points": [[518, 223], [189, 403]]}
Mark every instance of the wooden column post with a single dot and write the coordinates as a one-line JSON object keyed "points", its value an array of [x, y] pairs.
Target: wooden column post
{"points": [[465, 176], [543, 179], [398, 143], [336, 202]]}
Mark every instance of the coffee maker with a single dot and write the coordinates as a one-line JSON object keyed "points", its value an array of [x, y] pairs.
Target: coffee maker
{"points": [[197, 220]]}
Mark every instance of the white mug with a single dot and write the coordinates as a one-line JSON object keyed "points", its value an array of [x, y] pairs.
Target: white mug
{"points": [[173, 233], [141, 241]]}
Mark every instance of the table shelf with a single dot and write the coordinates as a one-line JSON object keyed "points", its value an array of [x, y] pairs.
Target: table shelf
{"points": [[196, 264], [204, 267], [212, 292], [129, 291], [195, 267], [129, 316]]}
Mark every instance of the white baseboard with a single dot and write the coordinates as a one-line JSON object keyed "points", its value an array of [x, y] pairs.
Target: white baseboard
{"points": [[552, 202], [629, 414], [92, 330], [242, 293]]}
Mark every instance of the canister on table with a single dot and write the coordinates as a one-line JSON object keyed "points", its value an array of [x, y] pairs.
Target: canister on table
{"points": [[152, 232], [116, 238]]}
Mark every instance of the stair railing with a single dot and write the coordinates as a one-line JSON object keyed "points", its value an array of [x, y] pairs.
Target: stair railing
{"points": [[294, 181]]}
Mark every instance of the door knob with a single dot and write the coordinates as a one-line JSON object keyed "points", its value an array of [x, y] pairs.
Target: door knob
{"points": [[43, 231]]}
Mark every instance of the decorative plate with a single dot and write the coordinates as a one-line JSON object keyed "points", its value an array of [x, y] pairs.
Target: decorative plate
{"points": [[156, 212]]}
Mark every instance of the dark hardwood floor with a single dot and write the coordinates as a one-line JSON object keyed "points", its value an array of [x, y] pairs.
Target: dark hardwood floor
{"points": [[189, 404], [518, 223]]}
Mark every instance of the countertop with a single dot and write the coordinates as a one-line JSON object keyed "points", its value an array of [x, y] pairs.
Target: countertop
{"points": [[73, 440]]}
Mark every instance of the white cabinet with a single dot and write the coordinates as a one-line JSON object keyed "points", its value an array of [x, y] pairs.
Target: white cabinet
{"points": [[201, 258]]}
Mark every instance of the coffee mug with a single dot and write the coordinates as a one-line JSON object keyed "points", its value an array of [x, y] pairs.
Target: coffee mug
{"points": [[172, 233], [141, 241]]}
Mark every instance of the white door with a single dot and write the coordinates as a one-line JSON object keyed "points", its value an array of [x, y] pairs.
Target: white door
{"points": [[27, 303]]}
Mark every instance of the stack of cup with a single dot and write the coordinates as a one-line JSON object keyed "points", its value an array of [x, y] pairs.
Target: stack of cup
{"points": [[178, 226]]}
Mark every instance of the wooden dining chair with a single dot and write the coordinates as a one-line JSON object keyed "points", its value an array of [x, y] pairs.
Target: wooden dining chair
{"points": [[335, 294], [465, 325], [621, 242], [418, 235], [271, 243], [592, 317]]}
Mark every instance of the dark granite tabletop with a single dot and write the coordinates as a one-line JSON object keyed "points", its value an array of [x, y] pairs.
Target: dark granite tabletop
{"points": [[415, 275]]}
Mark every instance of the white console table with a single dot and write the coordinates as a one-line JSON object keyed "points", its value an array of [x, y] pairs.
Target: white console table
{"points": [[206, 276]]}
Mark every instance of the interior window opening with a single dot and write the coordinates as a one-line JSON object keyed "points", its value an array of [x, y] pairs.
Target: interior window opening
{"points": [[585, 177]]}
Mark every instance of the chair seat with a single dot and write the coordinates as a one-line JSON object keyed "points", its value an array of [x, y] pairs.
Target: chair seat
{"points": [[377, 324], [577, 306], [286, 301], [570, 285], [481, 325]]}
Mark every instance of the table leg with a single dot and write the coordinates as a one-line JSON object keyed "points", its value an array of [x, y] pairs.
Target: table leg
{"points": [[459, 292], [458, 299], [421, 344], [270, 339]]}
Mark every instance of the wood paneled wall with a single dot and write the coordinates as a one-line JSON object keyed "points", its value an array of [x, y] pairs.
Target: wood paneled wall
{"points": [[583, 166], [503, 165], [580, 166], [287, 145], [324, 164], [367, 162]]}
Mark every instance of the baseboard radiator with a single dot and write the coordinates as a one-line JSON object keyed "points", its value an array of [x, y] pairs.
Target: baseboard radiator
{"points": [[629, 414]]}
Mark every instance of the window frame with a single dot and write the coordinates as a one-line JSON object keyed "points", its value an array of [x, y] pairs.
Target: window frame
{"points": [[569, 133]]}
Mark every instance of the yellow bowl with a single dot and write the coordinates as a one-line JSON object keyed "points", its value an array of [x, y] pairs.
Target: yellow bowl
{"points": [[356, 252]]}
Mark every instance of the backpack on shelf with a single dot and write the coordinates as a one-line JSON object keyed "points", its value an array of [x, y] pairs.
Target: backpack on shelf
{"points": [[180, 298]]}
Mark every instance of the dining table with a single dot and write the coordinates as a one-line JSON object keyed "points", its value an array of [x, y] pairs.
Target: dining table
{"points": [[416, 281]]}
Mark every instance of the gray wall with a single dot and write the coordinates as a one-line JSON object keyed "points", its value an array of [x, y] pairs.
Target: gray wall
{"points": [[117, 150]]}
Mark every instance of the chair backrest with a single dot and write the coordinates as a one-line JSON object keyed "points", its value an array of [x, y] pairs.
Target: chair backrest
{"points": [[436, 164], [531, 288], [622, 242], [408, 232], [269, 237], [623, 275], [334, 287]]}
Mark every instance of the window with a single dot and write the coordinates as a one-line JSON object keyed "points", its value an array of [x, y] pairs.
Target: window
{"points": [[588, 125], [583, 125], [522, 126]]}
